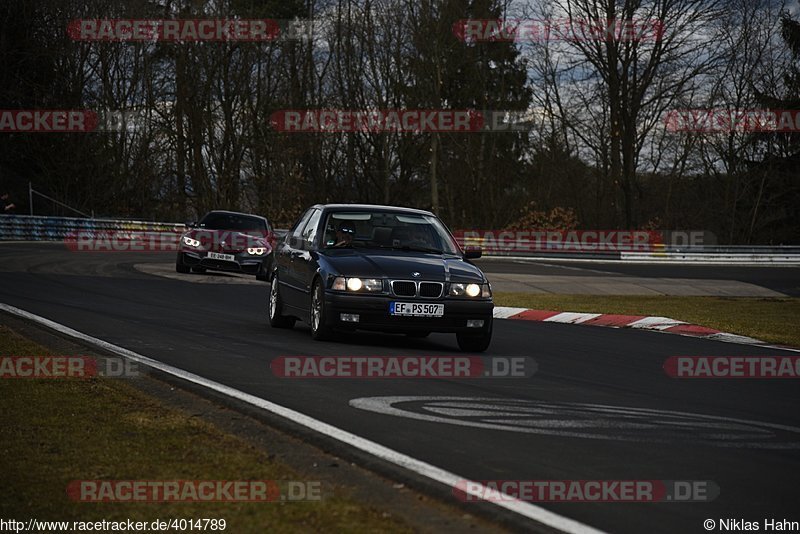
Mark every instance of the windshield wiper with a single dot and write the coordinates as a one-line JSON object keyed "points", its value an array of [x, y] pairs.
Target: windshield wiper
{"points": [[417, 249]]}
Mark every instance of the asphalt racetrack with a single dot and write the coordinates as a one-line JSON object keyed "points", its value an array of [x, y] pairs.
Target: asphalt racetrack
{"points": [[600, 406], [630, 278]]}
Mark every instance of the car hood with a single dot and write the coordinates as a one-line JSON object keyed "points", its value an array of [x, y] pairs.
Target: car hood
{"points": [[399, 265], [227, 240]]}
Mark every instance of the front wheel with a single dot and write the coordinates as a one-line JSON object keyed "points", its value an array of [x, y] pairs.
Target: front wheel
{"points": [[263, 272], [181, 267], [320, 330], [475, 342], [275, 307]]}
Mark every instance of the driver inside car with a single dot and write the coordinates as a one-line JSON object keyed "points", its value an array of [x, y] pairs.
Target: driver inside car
{"points": [[344, 234]]}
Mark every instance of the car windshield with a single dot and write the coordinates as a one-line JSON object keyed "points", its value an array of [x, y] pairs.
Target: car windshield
{"points": [[382, 229], [233, 222]]}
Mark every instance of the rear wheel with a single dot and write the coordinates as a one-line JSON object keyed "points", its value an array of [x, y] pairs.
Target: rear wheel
{"points": [[275, 307], [180, 267], [319, 316], [475, 342]]}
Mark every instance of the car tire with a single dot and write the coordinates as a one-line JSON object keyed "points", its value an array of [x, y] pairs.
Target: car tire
{"points": [[475, 342], [320, 331], [262, 274], [180, 267], [275, 308]]}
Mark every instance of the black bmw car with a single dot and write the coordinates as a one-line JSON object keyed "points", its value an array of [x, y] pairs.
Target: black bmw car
{"points": [[363, 267], [227, 241]]}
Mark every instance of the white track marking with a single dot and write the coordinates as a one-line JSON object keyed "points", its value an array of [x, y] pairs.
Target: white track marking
{"points": [[504, 312], [734, 338], [524, 509], [572, 317], [658, 324], [655, 323], [585, 420]]}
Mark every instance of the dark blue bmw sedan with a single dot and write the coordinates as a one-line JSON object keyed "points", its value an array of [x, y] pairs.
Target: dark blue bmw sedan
{"points": [[362, 267]]}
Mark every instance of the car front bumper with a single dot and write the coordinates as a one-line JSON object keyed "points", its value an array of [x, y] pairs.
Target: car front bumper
{"points": [[243, 262], [373, 314]]}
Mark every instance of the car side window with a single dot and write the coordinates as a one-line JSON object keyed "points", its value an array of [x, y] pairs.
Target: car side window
{"points": [[310, 230], [301, 223]]}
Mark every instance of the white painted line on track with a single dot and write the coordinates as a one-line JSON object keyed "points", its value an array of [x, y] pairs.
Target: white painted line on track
{"points": [[655, 323], [504, 312], [524, 509], [580, 420], [572, 317], [734, 338]]}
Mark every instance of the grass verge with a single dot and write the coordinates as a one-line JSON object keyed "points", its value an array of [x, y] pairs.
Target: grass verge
{"points": [[58, 430], [768, 319]]}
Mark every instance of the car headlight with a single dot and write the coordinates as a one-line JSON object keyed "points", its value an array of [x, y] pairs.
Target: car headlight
{"points": [[190, 242], [470, 290], [372, 285], [256, 251]]}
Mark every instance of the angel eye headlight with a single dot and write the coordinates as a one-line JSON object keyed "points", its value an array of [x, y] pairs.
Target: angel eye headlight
{"points": [[190, 242]]}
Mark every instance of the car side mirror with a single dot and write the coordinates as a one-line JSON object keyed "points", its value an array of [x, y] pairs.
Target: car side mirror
{"points": [[472, 253], [192, 224]]}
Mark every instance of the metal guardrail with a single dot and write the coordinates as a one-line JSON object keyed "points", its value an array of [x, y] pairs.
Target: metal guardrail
{"points": [[647, 252], [40, 228], [719, 257], [43, 228], [736, 249]]}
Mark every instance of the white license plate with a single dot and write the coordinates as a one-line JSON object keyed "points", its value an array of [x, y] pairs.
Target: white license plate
{"points": [[414, 309], [218, 256]]}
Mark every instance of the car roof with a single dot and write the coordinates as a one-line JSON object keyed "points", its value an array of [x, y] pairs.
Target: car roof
{"points": [[368, 207], [226, 212]]}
